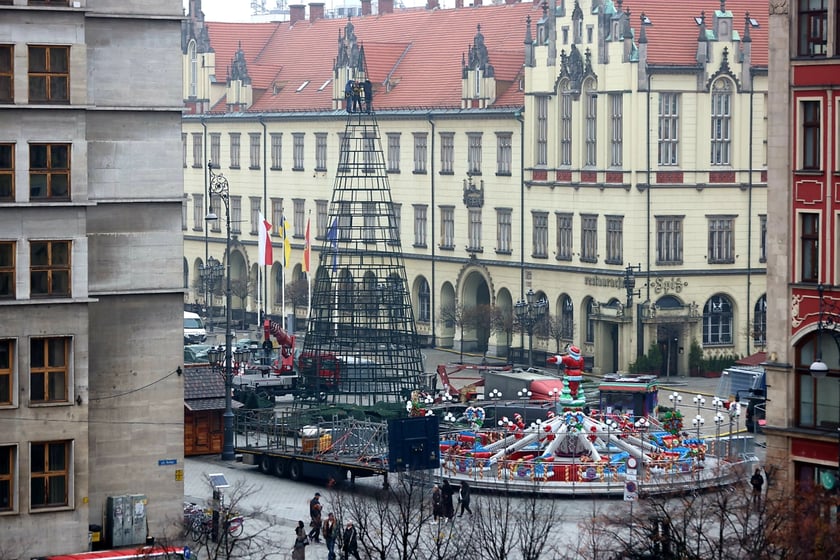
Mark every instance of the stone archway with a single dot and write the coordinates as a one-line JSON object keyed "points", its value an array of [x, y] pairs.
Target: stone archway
{"points": [[476, 304]]}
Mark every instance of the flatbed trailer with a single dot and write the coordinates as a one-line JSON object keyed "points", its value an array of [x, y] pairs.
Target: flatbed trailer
{"points": [[336, 451]]}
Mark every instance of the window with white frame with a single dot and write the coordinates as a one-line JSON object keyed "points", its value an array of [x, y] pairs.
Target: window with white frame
{"points": [[7, 369], [50, 471], [254, 141], [320, 151], [504, 227], [198, 212], [474, 233], [566, 128], [50, 268], [669, 128], [236, 214], [198, 152], [8, 477], [215, 149], [447, 227], [541, 130], [8, 266], [276, 215], [420, 211], [255, 202], [615, 240], [49, 369], [721, 121], [504, 153], [811, 135], [300, 217], [717, 321], [589, 238], [447, 152], [234, 150], [216, 208], [393, 152], [321, 218], [277, 150], [540, 234], [669, 240], [809, 244], [474, 153], [616, 101], [420, 151], [297, 151], [721, 249], [564, 236], [591, 126]]}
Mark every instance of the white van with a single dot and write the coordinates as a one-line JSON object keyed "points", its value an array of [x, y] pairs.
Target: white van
{"points": [[194, 332]]}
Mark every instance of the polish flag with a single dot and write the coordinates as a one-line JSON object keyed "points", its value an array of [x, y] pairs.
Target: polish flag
{"points": [[307, 249], [266, 254]]}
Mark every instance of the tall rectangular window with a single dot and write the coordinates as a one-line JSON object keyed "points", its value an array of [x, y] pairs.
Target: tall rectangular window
{"points": [[369, 222], [721, 121], [7, 172], [255, 147], [320, 151], [7, 366], [297, 151], [721, 249], [50, 474], [198, 212], [215, 149], [300, 217], [669, 240], [49, 268], [813, 28], [474, 153], [589, 238], [393, 152], [49, 369], [234, 150], [343, 152], [235, 214], [591, 129], [504, 227], [540, 234], [8, 471], [809, 241], [370, 152], [542, 130], [564, 236], [474, 233], [184, 137], [420, 211], [49, 171], [277, 150], [447, 227], [255, 202], [566, 129], [216, 208], [184, 212], [7, 72], [504, 153], [762, 238], [616, 101], [669, 128], [49, 74], [198, 150], [276, 215], [7, 269], [811, 132], [447, 152], [615, 240], [321, 219], [420, 152]]}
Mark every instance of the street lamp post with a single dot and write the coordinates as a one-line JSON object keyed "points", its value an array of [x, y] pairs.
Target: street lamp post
{"points": [[210, 273], [698, 421], [219, 186], [529, 313], [494, 396], [717, 403]]}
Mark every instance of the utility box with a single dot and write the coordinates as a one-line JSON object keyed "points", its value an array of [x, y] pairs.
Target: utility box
{"points": [[125, 520]]}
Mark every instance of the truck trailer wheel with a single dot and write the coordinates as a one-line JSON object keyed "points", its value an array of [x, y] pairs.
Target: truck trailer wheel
{"points": [[265, 464], [295, 471], [280, 467]]}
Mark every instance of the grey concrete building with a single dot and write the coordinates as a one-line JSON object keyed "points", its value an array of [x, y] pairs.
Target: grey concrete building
{"points": [[91, 397]]}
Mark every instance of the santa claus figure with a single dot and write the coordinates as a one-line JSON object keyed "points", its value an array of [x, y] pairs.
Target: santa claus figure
{"points": [[573, 363]]}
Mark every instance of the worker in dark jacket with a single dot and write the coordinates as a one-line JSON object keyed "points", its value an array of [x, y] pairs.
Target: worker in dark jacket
{"points": [[367, 88], [349, 543]]}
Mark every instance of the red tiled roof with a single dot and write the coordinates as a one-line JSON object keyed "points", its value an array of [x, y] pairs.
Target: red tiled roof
{"points": [[420, 51]]}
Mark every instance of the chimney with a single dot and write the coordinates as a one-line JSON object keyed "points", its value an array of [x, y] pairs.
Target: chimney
{"points": [[386, 6], [477, 2], [316, 11], [366, 10], [297, 12], [459, 4]]}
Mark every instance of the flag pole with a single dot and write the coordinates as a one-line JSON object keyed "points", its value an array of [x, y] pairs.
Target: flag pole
{"points": [[307, 251], [283, 287]]}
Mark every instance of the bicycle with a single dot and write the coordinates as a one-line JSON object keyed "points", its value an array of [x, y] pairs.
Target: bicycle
{"points": [[201, 523]]}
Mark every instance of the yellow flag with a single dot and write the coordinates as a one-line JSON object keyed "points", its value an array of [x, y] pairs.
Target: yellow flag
{"points": [[287, 244]]}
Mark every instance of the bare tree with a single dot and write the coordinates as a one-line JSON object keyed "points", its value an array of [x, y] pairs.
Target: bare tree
{"points": [[297, 292], [502, 323]]}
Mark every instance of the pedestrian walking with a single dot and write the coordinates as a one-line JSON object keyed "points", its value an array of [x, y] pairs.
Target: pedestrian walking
{"points": [[448, 492], [315, 518], [301, 541], [331, 532], [349, 543], [757, 481], [437, 503], [464, 498]]}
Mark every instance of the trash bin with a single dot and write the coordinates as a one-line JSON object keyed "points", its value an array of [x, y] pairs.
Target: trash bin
{"points": [[95, 537]]}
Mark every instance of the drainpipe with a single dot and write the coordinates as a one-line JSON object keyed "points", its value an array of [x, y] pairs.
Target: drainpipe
{"points": [[640, 342], [206, 211], [433, 290], [265, 213], [521, 120], [750, 217]]}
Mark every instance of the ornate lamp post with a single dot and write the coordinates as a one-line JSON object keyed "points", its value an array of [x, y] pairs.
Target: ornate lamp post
{"points": [[529, 313], [210, 273], [219, 186]]}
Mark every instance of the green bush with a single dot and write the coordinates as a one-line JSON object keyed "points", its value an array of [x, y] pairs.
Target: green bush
{"points": [[648, 363], [718, 363]]}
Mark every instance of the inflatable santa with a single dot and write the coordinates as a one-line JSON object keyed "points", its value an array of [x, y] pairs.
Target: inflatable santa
{"points": [[573, 363]]}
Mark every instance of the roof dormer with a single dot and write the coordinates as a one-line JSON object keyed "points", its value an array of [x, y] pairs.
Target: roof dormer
{"points": [[478, 78]]}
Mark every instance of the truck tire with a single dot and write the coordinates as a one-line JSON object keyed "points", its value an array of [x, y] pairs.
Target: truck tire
{"points": [[296, 471], [265, 464], [280, 467]]}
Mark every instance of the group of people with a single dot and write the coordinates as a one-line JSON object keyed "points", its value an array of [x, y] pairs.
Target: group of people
{"points": [[355, 92], [331, 531], [442, 500]]}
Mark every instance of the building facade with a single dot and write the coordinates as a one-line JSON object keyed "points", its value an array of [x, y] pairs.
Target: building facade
{"points": [[804, 354], [90, 290], [613, 162]]}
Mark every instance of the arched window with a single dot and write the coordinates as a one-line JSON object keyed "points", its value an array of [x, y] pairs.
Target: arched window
{"points": [[717, 321], [721, 121], [590, 322], [759, 332], [567, 318], [424, 297], [186, 275], [193, 70]]}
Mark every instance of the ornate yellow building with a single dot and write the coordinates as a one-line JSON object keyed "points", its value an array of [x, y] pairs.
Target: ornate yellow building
{"points": [[613, 162]]}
